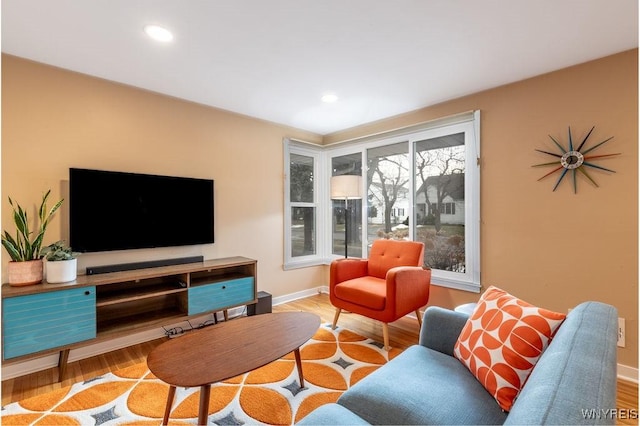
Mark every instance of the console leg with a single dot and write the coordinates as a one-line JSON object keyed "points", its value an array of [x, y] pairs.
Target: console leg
{"points": [[62, 363]]}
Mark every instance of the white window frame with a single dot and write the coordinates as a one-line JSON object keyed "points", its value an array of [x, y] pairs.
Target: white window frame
{"points": [[308, 150], [468, 122], [470, 279]]}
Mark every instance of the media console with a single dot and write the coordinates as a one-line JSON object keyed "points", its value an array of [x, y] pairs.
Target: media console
{"points": [[47, 318]]}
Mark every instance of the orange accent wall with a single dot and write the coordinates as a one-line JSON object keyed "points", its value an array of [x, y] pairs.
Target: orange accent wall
{"points": [[555, 249], [53, 119]]}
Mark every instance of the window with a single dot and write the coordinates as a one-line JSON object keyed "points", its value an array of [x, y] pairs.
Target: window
{"points": [[303, 210], [301, 201], [440, 164], [435, 208], [420, 183], [346, 215], [388, 178]]}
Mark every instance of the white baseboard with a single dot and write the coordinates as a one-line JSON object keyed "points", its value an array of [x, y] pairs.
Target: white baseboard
{"points": [[627, 373], [296, 296], [31, 366]]}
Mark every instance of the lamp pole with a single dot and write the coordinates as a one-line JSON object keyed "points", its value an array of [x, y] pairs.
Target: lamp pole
{"points": [[346, 225], [346, 187]]}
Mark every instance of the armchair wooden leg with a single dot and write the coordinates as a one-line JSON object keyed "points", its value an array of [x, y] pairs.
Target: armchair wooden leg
{"points": [[419, 316], [385, 336], [335, 318]]}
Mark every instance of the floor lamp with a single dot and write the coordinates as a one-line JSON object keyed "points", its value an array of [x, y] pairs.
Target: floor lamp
{"points": [[346, 187]]}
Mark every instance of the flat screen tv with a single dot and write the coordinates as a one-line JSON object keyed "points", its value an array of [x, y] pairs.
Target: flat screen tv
{"points": [[118, 211]]}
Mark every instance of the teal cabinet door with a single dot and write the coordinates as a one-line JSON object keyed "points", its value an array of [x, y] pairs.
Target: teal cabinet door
{"points": [[223, 294], [37, 322]]}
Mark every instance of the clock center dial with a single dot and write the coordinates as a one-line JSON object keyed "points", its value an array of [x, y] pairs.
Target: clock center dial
{"points": [[572, 160]]}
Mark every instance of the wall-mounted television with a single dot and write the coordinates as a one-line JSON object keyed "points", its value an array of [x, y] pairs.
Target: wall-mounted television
{"points": [[111, 210]]}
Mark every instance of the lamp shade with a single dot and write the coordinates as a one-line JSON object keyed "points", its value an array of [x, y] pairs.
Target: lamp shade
{"points": [[346, 187]]}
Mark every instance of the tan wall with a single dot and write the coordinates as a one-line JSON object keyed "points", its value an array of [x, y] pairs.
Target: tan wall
{"points": [[555, 249], [54, 119]]}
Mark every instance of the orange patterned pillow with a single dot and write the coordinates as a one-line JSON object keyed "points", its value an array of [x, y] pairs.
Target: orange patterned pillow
{"points": [[502, 341]]}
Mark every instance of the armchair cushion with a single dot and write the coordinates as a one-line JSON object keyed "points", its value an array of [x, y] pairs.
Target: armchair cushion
{"points": [[366, 291], [386, 254]]}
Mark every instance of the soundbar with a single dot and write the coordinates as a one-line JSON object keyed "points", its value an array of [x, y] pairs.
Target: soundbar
{"points": [[93, 270]]}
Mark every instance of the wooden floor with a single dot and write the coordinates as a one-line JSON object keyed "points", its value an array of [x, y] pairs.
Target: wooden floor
{"points": [[403, 333]]}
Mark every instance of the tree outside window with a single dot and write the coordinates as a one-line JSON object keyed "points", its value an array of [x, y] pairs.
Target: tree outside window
{"points": [[440, 221], [388, 191]]}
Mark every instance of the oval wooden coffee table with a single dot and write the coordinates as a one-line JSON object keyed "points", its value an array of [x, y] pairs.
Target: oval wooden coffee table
{"points": [[226, 350]]}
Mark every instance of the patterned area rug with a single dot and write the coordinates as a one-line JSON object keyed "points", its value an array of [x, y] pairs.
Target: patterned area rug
{"points": [[332, 361]]}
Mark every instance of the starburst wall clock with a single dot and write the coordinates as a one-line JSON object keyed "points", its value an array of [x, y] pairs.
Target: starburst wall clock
{"points": [[575, 160]]}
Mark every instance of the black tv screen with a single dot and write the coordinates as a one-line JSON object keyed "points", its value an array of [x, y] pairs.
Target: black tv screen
{"points": [[119, 211]]}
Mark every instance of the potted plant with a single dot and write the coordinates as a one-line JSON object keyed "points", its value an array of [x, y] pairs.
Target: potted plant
{"points": [[61, 266], [25, 267]]}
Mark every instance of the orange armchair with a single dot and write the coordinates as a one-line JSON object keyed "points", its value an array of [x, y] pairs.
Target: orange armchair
{"points": [[385, 287]]}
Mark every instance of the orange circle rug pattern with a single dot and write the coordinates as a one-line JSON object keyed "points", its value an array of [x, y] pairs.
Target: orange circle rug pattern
{"points": [[332, 361]]}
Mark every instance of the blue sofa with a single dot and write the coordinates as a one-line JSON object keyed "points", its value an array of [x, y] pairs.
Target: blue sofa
{"points": [[574, 378]]}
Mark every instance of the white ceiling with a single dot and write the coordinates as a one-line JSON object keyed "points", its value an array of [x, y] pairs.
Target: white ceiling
{"points": [[274, 59]]}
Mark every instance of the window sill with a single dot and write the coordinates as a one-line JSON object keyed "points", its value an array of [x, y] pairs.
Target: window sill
{"points": [[456, 284], [435, 280], [303, 264]]}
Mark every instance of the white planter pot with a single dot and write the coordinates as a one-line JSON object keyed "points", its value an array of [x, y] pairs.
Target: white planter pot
{"points": [[61, 271]]}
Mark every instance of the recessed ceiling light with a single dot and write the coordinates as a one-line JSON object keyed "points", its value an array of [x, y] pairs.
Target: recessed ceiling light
{"points": [[329, 98], [158, 33]]}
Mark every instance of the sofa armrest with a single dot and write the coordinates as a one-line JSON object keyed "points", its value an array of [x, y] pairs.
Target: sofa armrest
{"points": [[441, 328], [574, 382]]}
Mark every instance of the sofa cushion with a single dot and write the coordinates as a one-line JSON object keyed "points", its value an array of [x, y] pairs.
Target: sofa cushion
{"points": [[502, 341], [331, 414], [422, 386]]}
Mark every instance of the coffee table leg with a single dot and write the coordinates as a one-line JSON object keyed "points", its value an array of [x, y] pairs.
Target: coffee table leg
{"points": [[205, 392], [167, 410], [299, 365]]}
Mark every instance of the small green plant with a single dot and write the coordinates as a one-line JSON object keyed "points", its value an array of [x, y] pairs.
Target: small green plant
{"points": [[58, 251], [23, 248]]}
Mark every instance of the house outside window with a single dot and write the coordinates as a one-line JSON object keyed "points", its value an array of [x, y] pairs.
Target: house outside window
{"points": [[440, 179]]}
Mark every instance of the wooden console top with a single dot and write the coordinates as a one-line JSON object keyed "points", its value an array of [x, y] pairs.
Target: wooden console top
{"points": [[123, 276]]}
